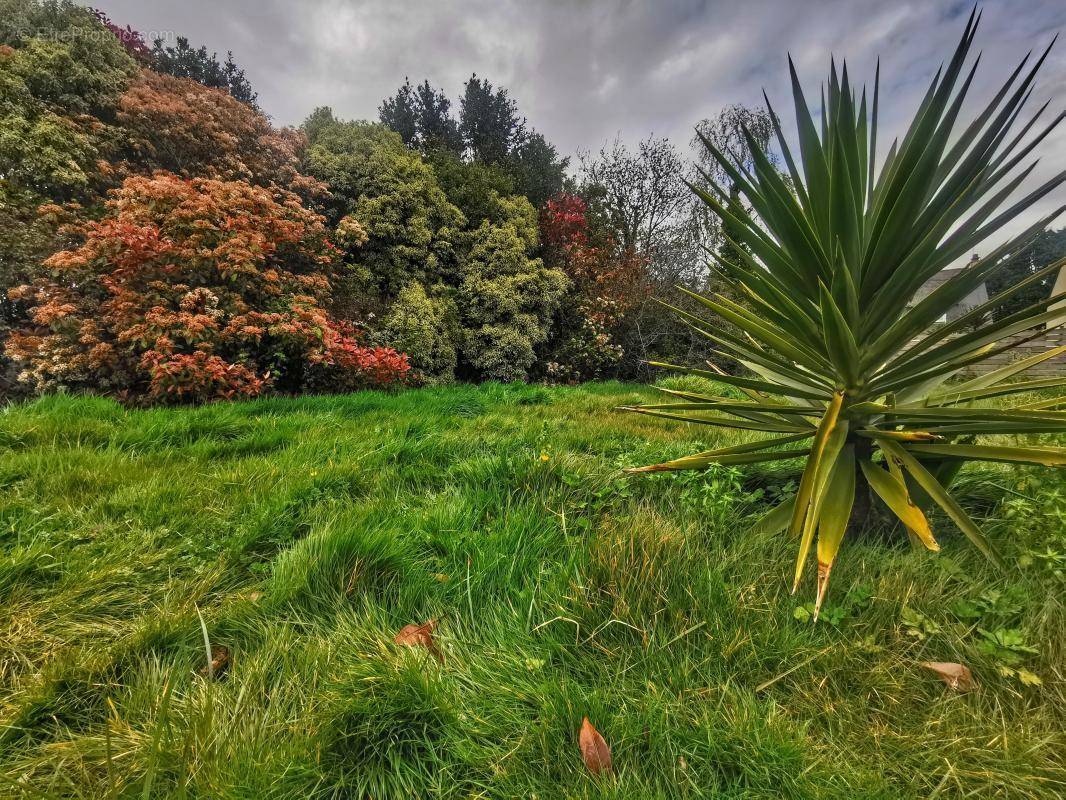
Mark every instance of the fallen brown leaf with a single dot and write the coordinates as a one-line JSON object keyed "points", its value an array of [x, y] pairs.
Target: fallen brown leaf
{"points": [[220, 661], [594, 750], [420, 636], [957, 676]]}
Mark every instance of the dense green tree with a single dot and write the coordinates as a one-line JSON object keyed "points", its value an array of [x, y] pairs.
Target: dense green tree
{"points": [[495, 133], [473, 187], [425, 325], [56, 95], [60, 79], [489, 121], [539, 173], [394, 196], [447, 249], [506, 298], [1046, 248], [400, 113], [43, 151], [422, 116], [61, 75], [489, 133], [182, 60], [319, 119], [437, 130], [73, 67]]}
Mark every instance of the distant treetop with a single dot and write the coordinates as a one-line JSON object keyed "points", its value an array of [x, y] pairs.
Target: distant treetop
{"points": [[182, 60]]}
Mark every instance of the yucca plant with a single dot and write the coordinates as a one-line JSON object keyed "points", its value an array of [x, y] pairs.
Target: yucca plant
{"points": [[844, 369]]}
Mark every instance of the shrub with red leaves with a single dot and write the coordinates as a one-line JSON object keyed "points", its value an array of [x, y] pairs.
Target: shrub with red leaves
{"points": [[181, 126], [194, 290], [564, 222], [607, 282], [132, 40], [598, 268]]}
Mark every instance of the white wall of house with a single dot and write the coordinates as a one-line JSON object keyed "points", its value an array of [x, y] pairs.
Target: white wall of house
{"points": [[1060, 287]]}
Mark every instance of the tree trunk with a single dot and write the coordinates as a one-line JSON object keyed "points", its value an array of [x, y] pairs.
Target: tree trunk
{"points": [[867, 519]]}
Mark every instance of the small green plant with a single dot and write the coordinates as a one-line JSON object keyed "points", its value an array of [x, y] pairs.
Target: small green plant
{"points": [[918, 625], [842, 366], [991, 603], [833, 614], [713, 494], [590, 505], [857, 598], [1050, 559], [991, 616], [1008, 649], [1044, 549]]}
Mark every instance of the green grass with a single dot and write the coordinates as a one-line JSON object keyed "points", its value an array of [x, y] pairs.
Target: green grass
{"points": [[307, 532]]}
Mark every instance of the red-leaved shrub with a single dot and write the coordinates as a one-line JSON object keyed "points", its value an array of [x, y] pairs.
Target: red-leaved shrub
{"points": [[193, 290], [181, 126], [607, 281]]}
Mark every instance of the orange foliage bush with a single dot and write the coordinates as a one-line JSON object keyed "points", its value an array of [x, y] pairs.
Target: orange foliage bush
{"points": [[607, 282], [181, 126], [192, 290]]}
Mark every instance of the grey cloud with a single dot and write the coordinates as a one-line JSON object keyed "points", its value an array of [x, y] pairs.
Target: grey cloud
{"points": [[584, 71]]}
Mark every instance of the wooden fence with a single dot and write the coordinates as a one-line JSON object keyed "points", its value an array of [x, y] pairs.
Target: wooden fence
{"points": [[1050, 368]]}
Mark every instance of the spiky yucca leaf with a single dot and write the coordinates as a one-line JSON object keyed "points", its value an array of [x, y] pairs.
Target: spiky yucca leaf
{"points": [[831, 261]]}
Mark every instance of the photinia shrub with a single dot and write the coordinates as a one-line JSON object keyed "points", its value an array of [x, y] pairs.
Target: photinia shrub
{"points": [[607, 281], [606, 278], [132, 40], [194, 290], [564, 222], [181, 126]]}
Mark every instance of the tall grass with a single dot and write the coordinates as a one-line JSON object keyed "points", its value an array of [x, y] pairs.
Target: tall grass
{"points": [[307, 532]]}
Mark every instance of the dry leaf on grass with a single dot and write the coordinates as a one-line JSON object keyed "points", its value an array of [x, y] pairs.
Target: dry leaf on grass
{"points": [[957, 676], [219, 662], [420, 636], [594, 750]]}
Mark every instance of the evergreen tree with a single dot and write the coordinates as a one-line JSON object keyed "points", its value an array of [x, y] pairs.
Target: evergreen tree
{"points": [[436, 128], [399, 113], [1045, 249], [538, 171], [319, 120], [489, 132], [182, 60], [489, 121]]}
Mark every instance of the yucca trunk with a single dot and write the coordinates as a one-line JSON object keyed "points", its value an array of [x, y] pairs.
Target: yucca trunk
{"points": [[859, 523]]}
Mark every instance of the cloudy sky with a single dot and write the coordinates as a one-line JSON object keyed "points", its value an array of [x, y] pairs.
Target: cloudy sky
{"points": [[584, 71]]}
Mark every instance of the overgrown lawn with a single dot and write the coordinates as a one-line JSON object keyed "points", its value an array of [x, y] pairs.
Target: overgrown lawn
{"points": [[306, 533]]}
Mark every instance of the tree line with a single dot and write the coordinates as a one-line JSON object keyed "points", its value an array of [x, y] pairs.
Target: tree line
{"points": [[162, 241]]}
